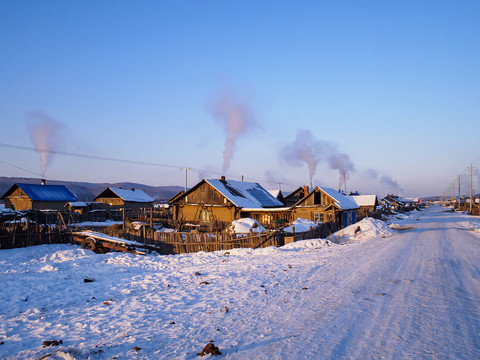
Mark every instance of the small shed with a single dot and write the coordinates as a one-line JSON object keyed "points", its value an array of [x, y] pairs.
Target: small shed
{"points": [[37, 197], [79, 207], [118, 198]]}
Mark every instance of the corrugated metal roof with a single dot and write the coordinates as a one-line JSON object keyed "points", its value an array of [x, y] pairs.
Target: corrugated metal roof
{"points": [[47, 192], [133, 195], [245, 194], [341, 200]]}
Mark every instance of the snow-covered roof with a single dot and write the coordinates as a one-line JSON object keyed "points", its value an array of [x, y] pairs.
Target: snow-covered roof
{"points": [[245, 194], [274, 193], [77, 204], [364, 200], [133, 195], [44, 192], [341, 200]]}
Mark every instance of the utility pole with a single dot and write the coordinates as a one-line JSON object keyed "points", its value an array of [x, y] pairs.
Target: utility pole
{"points": [[459, 196], [186, 169], [471, 183], [453, 194]]}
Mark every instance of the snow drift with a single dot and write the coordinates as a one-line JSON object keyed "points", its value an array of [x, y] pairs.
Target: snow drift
{"points": [[365, 229], [301, 225], [245, 226]]}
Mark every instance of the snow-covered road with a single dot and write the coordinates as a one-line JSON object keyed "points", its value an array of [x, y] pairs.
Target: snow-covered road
{"points": [[412, 294]]}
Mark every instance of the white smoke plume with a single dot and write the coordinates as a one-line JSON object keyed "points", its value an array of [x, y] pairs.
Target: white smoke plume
{"points": [[235, 116], [305, 149], [385, 181], [46, 134]]}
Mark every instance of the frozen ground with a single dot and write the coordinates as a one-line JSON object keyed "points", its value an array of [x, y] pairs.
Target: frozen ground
{"points": [[414, 294]]}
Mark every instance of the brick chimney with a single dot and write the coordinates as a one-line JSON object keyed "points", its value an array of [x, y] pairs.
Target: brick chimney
{"points": [[42, 181], [305, 190]]}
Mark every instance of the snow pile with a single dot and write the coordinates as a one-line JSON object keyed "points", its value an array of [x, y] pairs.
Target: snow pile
{"points": [[301, 225], [244, 226], [368, 228]]}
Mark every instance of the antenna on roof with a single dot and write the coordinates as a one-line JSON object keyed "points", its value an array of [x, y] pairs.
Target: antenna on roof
{"points": [[186, 169]]}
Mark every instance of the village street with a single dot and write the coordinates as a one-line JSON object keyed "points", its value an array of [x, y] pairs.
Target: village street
{"points": [[409, 294], [414, 295]]}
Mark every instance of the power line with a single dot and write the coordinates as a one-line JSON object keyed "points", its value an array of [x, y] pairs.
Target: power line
{"points": [[28, 171], [85, 156], [126, 161]]}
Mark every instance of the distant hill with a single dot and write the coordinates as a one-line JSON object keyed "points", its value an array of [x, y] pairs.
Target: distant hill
{"points": [[431, 198], [86, 191]]}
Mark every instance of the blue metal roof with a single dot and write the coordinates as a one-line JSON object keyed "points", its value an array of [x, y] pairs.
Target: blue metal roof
{"points": [[47, 192]]}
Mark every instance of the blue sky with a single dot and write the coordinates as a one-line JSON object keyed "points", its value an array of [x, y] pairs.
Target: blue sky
{"points": [[394, 86]]}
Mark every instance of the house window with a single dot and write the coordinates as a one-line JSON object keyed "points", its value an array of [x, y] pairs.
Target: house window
{"points": [[266, 219], [205, 215], [317, 198], [319, 217]]}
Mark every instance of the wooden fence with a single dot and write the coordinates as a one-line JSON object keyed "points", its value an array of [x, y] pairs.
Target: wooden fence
{"points": [[464, 206], [40, 228], [321, 231], [16, 234], [187, 242]]}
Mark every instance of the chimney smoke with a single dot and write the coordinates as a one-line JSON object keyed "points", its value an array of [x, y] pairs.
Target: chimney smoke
{"points": [[46, 135], [305, 149], [235, 116]]}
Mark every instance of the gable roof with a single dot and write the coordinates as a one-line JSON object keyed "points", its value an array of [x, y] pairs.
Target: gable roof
{"points": [[364, 200], [43, 192], [245, 194], [132, 195], [341, 201]]}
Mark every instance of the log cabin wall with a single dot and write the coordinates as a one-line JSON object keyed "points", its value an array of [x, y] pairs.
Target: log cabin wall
{"points": [[18, 200]]}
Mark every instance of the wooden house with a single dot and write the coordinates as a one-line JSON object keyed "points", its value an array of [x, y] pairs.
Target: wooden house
{"points": [[118, 198], [295, 196], [220, 200], [326, 205], [367, 205], [37, 197]]}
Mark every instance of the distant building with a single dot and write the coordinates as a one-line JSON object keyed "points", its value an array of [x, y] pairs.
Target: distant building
{"points": [[37, 197], [118, 198]]}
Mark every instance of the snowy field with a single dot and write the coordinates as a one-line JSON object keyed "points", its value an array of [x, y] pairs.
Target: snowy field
{"points": [[382, 293]]}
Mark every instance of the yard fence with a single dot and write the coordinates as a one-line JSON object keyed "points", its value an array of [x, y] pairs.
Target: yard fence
{"points": [[188, 242], [37, 228], [19, 232]]}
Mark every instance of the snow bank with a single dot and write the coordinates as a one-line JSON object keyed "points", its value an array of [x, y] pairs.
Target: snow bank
{"points": [[368, 228], [301, 225], [244, 226]]}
